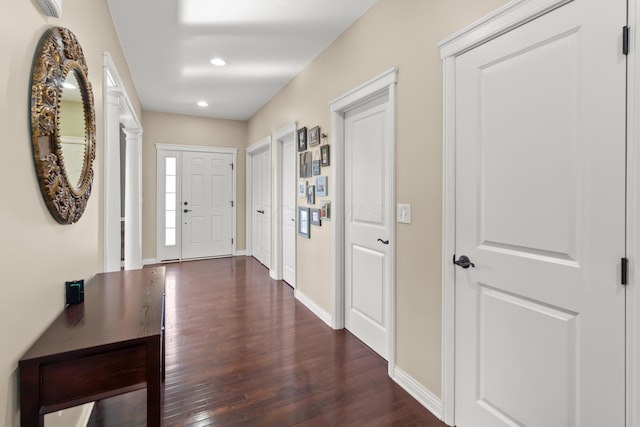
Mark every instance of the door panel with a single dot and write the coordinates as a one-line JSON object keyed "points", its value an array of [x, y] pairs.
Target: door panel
{"points": [[540, 204], [368, 145], [206, 196]]}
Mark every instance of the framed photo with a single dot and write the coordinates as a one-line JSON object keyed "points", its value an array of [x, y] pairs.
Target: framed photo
{"points": [[314, 136], [305, 164], [316, 167], [324, 155], [304, 228], [311, 194], [321, 186], [302, 189], [325, 210], [315, 217], [302, 139]]}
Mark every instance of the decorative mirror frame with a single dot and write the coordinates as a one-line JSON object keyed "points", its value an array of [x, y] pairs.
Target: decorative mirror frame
{"points": [[58, 54]]}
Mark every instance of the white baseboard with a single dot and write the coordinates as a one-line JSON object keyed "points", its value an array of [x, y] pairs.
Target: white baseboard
{"points": [[243, 252], [419, 392], [85, 415], [315, 308], [149, 261]]}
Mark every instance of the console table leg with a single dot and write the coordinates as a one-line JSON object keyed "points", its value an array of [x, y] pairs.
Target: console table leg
{"points": [[30, 396], [154, 390]]}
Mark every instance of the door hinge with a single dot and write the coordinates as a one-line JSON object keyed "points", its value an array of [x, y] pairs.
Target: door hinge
{"points": [[232, 240], [624, 271], [231, 164], [625, 40], [232, 203]]}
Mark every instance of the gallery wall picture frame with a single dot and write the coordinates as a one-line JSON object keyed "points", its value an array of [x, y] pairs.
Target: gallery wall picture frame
{"points": [[303, 166], [315, 217], [302, 189], [321, 186], [302, 139], [325, 159], [308, 164], [304, 228], [316, 167], [311, 194], [325, 210], [314, 136]]}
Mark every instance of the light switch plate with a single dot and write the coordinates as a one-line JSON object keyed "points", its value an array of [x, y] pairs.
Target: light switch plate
{"points": [[403, 214]]}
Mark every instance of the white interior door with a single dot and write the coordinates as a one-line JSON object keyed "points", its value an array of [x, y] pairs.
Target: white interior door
{"points": [[540, 211], [206, 204], [289, 211], [261, 206], [368, 222]]}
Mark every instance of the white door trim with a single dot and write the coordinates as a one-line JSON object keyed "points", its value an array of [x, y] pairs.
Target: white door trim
{"points": [[250, 150], [118, 109], [511, 15], [162, 148], [633, 218], [383, 83], [279, 136]]}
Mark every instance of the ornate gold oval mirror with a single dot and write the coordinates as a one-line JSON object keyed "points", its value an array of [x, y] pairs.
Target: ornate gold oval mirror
{"points": [[62, 124]]}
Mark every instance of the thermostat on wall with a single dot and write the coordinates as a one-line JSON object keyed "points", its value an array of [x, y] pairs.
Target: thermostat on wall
{"points": [[51, 7]]}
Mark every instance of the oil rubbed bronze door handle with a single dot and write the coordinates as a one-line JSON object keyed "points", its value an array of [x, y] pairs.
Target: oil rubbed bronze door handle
{"points": [[463, 261], [386, 242]]}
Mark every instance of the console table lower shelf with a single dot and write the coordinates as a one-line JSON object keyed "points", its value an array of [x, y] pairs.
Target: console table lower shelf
{"points": [[113, 343]]}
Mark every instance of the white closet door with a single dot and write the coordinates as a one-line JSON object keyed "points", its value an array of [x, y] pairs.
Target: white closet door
{"points": [[540, 212]]}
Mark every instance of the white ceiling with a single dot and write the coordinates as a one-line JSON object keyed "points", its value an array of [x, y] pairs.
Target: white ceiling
{"points": [[169, 43]]}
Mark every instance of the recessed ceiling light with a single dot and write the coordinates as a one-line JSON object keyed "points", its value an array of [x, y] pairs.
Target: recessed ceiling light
{"points": [[218, 62], [203, 104]]}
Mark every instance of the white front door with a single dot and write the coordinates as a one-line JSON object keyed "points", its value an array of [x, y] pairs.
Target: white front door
{"points": [[289, 150], [206, 204], [540, 211], [261, 206], [368, 222]]}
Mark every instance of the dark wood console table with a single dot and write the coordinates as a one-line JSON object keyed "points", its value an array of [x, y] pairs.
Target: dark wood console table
{"points": [[108, 345]]}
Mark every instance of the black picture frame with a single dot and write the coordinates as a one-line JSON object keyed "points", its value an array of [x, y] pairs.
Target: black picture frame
{"points": [[302, 139], [304, 227], [315, 217], [314, 136], [325, 156]]}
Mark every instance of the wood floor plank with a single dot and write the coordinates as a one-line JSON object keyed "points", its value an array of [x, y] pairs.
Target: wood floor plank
{"points": [[241, 351]]}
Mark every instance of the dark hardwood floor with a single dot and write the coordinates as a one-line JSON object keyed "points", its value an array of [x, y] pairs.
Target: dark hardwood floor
{"points": [[241, 351]]}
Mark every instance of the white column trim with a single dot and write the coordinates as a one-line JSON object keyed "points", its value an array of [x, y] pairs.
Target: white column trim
{"points": [[118, 109], [133, 200]]}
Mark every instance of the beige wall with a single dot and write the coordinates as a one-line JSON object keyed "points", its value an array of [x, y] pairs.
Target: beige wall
{"points": [[37, 253], [163, 128], [400, 33]]}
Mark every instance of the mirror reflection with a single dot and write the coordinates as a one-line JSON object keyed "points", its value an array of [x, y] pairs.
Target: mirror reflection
{"points": [[72, 131]]}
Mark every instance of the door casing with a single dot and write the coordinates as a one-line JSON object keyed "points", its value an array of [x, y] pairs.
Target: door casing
{"points": [[178, 149], [264, 143], [279, 137], [511, 15], [383, 83]]}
